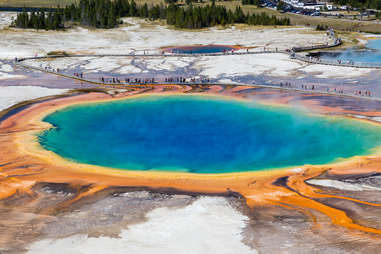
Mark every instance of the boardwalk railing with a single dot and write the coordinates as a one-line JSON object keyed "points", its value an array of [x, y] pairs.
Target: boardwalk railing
{"points": [[267, 51], [292, 53], [337, 42], [21, 61], [316, 90], [342, 63], [315, 60]]}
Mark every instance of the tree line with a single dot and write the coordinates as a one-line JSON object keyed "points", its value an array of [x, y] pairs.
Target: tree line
{"points": [[40, 20], [107, 14], [211, 15], [93, 13], [251, 2]]}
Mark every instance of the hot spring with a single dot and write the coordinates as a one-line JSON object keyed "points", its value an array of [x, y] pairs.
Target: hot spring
{"points": [[202, 134], [372, 54], [200, 49]]}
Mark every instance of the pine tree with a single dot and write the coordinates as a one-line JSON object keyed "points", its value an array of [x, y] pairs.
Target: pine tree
{"points": [[133, 9]]}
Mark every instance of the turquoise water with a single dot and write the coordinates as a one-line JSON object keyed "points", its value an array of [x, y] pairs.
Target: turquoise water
{"points": [[200, 49], [202, 134], [370, 55]]}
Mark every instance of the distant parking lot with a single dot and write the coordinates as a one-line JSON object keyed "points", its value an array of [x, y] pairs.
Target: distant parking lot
{"points": [[290, 9]]}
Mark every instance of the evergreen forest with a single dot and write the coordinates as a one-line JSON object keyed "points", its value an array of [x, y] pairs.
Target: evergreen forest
{"points": [[107, 14]]}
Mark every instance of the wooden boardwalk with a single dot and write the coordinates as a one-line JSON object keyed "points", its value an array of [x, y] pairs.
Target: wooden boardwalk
{"points": [[336, 63], [292, 53]]}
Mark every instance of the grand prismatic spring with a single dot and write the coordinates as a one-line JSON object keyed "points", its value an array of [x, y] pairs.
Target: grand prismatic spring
{"points": [[142, 138], [202, 134], [92, 142]]}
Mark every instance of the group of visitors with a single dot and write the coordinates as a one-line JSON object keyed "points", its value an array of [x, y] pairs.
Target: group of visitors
{"points": [[306, 87], [78, 74], [127, 81], [333, 90], [363, 93], [313, 87], [346, 62], [203, 80], [200, 80], [313, 59], [114, 80], [175, 80], [286, 84], [50, 69]]}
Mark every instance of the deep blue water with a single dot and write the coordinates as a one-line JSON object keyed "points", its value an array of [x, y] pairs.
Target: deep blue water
{"points": [[202, 134], [372, 54], [200, 49]]}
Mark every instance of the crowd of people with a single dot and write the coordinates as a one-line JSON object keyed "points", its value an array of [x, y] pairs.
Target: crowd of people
{"points": [[49, 68], [204, 80], [135, 81], [345, 62], [335, 90], [363, 93], [127, 81], [286, 84], [175, 80], [78, 74], [317, 59], [332, 90]]}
